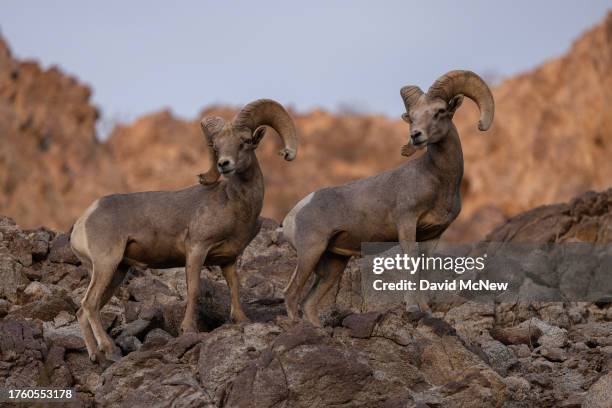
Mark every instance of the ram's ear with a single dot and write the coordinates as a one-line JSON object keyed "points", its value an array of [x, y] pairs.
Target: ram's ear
{"points": [[258, 134], [406, 117], [455, 103]]}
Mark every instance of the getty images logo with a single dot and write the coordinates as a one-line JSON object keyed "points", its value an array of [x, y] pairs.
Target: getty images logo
{"points": [[412, 264]]}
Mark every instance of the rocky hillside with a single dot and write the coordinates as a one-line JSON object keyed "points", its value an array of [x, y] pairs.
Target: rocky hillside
{"points": [[551, 140], [552, 136], [468, 355], [51, 164]]}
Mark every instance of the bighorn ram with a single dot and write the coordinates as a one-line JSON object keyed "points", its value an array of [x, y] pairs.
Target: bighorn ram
{"points": [[207, 224], [415, 202]]}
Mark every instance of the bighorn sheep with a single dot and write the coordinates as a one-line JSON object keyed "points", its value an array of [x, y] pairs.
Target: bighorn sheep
{"points": [[415, 202], [207, 224]]}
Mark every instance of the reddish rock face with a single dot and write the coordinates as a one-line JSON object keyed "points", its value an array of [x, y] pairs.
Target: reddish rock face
{"points": [[551, 140], [51, 165]]}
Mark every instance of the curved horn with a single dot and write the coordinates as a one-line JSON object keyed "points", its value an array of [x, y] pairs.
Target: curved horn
{"points": [[469, 84], [209, 127], [270, 113], [410, 94]]}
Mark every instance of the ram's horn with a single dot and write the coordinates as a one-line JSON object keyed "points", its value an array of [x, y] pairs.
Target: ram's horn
{"points": [[270, 113], [469, 84], [210, 126], [410, 95]]}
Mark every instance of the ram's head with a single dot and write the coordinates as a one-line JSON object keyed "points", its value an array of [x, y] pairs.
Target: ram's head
{"points": [[230, 143], [430, 114]]}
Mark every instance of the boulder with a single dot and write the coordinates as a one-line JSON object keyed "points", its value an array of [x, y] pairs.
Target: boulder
{"points": [[600, 393]]}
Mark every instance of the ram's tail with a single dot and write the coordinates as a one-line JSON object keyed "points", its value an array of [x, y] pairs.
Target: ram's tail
{"points": [[278, 237]]}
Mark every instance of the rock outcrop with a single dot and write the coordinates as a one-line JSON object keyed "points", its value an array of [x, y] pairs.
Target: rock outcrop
{"points": [[469, 355], [51, 164]]}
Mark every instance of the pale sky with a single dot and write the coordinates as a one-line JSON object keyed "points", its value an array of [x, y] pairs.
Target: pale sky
{"points": [[143, 56]]}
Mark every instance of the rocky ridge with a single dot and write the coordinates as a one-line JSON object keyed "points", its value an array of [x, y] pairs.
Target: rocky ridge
{"points": [[497, 354]]}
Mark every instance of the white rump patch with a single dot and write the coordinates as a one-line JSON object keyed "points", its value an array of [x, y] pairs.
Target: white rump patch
{"points": [[289, 221], [78, 237]]}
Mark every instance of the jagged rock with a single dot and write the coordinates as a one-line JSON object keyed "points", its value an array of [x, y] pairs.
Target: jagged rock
{"points": [[63, 318], [301, 368], [16, 242], [226, 351], [39, 242], [159, 377], [60, 251], [66, 336], [448, 364], [549, 335], [520, 350], [521, 334], [600, 393], [172, 315], [4, 307], [86, 374], [22, 352], [553, 353], [56, 368], [14, 280], [147, 288], [47, 308], [471, 319], [518, 387], [361, 325], [499, 357], [61, 273], [593, 333], [36, 291], [135, 328], [157, 337], [128, 343]]}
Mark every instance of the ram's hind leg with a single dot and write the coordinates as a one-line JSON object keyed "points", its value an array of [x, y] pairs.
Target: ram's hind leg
{"points": [[309, 253], [88, 336], [329, 270], [90, 340], [104, 280]]}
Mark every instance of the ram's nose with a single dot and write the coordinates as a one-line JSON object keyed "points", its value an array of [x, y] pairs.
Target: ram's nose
{"points": [[419, 139], [224, 164]]}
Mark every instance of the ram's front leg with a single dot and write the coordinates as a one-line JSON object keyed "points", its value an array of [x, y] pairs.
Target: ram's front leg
{"points": [[407, 229], [195, 259], [231, 277]]}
